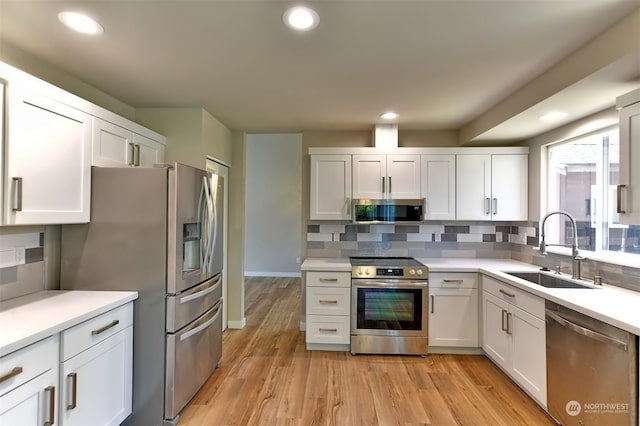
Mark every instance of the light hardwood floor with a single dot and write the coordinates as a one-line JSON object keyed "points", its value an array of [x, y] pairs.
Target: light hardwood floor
{"points": [[267, 377]]}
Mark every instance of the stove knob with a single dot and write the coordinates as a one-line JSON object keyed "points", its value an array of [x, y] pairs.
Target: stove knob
{"points": [[367, 272], [419, 272], [412, 271]]}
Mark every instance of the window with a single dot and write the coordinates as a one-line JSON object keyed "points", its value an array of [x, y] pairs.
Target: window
{"points": [[582, 178]]}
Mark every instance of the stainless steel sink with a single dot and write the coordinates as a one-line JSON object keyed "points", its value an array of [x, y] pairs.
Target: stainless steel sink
{"points": [[550, 281]]}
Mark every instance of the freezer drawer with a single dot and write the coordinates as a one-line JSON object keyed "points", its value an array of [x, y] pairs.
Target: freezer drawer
{"points": [[193, 353], [184, 307]]}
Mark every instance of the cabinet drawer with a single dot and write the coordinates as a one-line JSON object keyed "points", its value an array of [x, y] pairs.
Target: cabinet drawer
{"points": [[95, 330], [525, 301], [453, 280], [329, 279], [328, 300], [24, 364], [328, 329]]}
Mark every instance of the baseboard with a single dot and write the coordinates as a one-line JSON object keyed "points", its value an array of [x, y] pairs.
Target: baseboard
{"points": [[237, 324], [272, 274]]}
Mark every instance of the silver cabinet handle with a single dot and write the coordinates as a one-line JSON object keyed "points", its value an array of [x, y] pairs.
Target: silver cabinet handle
{"points": [[74, 390], [328, 280], [433, 304], [495, 206], [348, 203], [383, 190], [389, 184], [13, 373], [329, 302], [52, 405], [136, 155], [487, 205], [17, 194], [332, 330], [131, 153], [506, 293], [454, 281], [509, 315], [504, 326], [105, 328], [619, 208]]}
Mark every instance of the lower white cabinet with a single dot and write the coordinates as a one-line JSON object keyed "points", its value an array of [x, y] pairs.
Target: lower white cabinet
{"points": [[453, 310], [96, 370], [29, 385], [514, 335], [328, 308]]}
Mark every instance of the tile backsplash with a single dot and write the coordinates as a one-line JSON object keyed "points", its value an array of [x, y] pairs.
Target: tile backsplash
{"points": [[506, 240]]}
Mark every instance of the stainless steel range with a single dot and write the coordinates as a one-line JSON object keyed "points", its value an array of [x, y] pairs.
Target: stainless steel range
{"points": [[389, 306]]}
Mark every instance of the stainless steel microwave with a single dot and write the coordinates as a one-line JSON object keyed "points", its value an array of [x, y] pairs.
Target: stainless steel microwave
{"points": [[388, 210]]}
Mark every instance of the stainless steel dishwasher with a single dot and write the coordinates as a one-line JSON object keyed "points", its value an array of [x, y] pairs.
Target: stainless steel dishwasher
{"points": [[592, 370]]}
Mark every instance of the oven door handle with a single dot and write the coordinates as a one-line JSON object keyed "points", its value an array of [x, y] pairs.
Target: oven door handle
{"points": [[390, 284]]}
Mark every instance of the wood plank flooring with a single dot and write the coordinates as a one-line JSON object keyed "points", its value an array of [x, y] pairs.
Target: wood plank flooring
{"points": [[268, 377]]}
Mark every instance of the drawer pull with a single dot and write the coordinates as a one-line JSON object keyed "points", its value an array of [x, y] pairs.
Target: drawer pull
{"points": [[433, 304], [505, 315], [332, 330], [52, 405], [506, 293], [74, 390], [328, 301], [105, 328], [454, 281], [328, 280], [13, 373]]}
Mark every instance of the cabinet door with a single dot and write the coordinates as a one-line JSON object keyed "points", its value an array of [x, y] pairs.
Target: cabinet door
{"points": [[509, 187], [629, 188], [473, 187], [403, 176], [32, 404], [330, 193], [453, 317], [147, 152], [112, 145], [48, 161], [528, 352], [96, 383], [438, 186], [495, 338], [369, 176]]}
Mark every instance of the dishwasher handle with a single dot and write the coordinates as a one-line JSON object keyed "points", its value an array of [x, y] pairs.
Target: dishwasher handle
{"points": [[585, 331]]}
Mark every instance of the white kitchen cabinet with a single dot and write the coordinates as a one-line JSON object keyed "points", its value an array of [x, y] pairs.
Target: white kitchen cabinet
{"points": [[117, 146], [628, 196], [492, 187], [438, 185], [377, 176], [47, 157], [96, 370], [328, 310], [514, 335], [453, 310], [330, 192]]}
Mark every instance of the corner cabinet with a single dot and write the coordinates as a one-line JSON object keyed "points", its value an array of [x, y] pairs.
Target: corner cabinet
{"points": [[628, 194], [330, 192], [47, 178], [328, 310], [379, 176], [514, 335], [492, 187], [117, 146]]}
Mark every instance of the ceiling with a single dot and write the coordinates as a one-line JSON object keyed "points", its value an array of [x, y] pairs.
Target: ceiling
{"points": [[441, 64]]}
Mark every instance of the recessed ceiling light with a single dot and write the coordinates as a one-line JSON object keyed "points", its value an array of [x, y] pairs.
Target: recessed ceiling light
{"points": [[80, 22], [553, 116], [390, 115], [301, 18]]}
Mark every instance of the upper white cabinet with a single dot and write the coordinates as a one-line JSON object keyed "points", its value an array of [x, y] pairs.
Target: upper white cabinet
{"points": [[438, 185], [330, 192], [48, 157], [492, 186], [116, 146], [628, 196], [386, 176]]}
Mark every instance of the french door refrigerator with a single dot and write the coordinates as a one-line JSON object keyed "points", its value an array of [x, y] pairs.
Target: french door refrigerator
{"points": [[158, 231]]}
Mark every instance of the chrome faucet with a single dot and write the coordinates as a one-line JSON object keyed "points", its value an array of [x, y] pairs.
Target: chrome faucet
{"points": [[576, 258]]}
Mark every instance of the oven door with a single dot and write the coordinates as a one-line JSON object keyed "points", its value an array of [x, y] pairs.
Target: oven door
{"points": [[389, 307]]}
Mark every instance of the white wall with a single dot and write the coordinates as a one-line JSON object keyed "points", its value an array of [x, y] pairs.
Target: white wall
{"points": [[273, 204]]}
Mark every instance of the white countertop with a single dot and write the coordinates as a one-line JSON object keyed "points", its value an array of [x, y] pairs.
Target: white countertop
{"points": [[616, 306], [27, 319]]}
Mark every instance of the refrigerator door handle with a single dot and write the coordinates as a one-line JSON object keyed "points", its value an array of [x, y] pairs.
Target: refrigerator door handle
{"points": [[209, 218], [214, 211], [201, 218]]}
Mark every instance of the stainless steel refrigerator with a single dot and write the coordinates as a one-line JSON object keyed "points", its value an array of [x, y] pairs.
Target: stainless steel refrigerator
{"points": [[158, 231]]}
